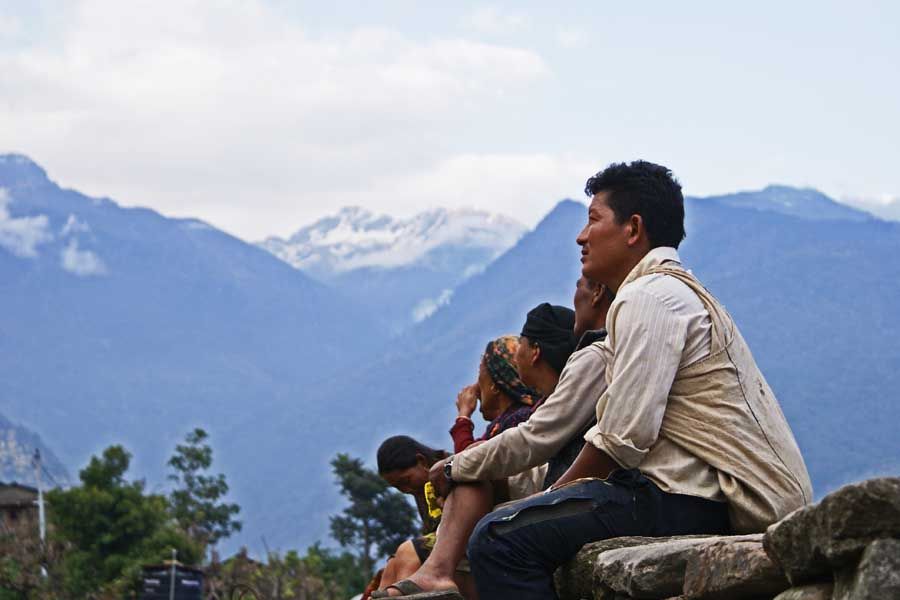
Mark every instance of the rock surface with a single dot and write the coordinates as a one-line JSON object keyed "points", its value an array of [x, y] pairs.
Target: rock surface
{"points": [[877, 577], [728, 569], [845, 548], [652, 571], [575, 580], [811, 541], [814, 591]]}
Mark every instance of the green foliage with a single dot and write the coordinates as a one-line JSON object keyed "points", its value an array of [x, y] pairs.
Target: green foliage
{"points": [[318, 575], [342, 570], [195, 501], [378, 518], [111, 526]]}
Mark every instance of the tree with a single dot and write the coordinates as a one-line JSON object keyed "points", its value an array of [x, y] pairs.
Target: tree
{"points": [[111, 527], [378, 518], [195, 501]]}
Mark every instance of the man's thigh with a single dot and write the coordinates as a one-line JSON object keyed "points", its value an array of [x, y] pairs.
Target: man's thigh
{"points": [[549, 529]]}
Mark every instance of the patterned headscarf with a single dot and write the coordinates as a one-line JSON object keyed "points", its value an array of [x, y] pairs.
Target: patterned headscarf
{"points": [[498, 359]]}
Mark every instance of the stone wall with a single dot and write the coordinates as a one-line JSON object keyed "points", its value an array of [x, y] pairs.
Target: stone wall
{"points": [[846, 547]]}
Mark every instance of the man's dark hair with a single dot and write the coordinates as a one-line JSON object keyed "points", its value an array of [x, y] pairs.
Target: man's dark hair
{"points": [[645, 189]]}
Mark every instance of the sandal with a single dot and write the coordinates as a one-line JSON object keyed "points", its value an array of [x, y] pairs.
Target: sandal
{"points": [[412, 591]]}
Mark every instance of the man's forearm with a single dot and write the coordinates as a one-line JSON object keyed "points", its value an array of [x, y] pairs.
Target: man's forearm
{"points": [[591, 462]]}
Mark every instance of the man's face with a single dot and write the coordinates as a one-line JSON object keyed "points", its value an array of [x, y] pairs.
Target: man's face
{"points": [[522, 360], [603, 241]]}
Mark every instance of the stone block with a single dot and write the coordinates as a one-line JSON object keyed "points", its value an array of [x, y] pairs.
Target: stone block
{"points": [[732, 570], [813, 591], [876, 577], [575, 580], [651, 571], [813, 540]]}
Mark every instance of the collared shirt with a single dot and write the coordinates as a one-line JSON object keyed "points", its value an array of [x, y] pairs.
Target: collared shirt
{"points": [[563, 415], [657, 325]]}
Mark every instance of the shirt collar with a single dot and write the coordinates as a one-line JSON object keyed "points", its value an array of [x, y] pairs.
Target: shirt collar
{"points": [[654, 258], [589, 337]]}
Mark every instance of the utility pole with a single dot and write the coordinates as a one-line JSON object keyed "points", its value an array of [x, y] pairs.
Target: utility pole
{"points": [[42, 520], [172, 578]]}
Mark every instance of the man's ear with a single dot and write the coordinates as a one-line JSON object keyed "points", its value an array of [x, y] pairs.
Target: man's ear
{"points": [[535, 353], [635, 230], [598, 295]]}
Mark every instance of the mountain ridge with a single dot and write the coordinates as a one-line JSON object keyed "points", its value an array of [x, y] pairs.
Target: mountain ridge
{"points": [[190, 326]]}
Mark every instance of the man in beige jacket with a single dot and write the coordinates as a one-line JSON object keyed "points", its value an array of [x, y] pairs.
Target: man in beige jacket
{"points": [[689, 438]]}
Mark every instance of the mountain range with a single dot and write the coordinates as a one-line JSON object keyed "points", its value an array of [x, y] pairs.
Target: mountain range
{"points": [[120, 325], [405, 269]]}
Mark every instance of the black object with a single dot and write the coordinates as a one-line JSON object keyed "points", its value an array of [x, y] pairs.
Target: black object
{"points": [[156, 581]]}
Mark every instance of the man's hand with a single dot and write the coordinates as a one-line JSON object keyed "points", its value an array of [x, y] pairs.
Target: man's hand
{"points": [[590, 462], [438, 480], [467, 400]]}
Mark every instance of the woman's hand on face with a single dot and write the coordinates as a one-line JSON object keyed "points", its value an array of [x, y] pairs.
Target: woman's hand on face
{"points": [[467, 400]]}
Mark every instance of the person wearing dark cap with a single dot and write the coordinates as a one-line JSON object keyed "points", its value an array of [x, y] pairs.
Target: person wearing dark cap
{"points": [[547, 340], [569, 386]]}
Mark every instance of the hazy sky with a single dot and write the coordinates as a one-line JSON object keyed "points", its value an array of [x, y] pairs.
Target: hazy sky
{"points": [[261, 116]]}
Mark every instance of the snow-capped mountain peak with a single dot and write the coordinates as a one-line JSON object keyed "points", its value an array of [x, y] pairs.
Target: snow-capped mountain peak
{"points": [[357, 238]]}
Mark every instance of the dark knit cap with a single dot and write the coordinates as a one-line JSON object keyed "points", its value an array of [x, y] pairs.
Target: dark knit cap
{"points": [[552, 329]]}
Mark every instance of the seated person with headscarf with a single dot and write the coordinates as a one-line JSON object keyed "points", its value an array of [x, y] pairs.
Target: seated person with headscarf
{"points": [[569, 390], [505, 401]]}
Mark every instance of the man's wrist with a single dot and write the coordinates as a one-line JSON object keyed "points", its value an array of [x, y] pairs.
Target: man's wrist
{"points": [[448, 470]]}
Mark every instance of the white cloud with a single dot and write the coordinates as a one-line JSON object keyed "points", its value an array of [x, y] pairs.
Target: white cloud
{"points": [[73, 225], [491, 20], [886, 206], [879, 199], [429, 306], [524, 186], [238, 115], [21, 235], [83, 263]]}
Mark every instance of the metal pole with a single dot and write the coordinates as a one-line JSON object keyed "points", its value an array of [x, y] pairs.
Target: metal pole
{"points": [[42, 522], [172, 579]]}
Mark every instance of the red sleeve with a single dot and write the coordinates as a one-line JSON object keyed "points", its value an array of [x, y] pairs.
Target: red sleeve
{"points": [[461, 432]]}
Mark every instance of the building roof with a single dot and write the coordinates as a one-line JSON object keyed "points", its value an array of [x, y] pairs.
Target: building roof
{"points": [[15, 495]]}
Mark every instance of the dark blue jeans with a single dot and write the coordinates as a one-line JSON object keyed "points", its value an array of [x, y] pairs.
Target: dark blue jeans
{"points": [[514, 551]]}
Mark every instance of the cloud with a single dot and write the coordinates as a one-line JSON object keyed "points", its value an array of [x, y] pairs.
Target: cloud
{"points": [[491, 20], [523, 186], [21, 235], [239, 115], [429, 306], [886, 206], [73, 225], [83, 263]]}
